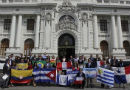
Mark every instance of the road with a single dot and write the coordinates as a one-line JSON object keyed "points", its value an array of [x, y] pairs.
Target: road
{"points": [[59, 88]]}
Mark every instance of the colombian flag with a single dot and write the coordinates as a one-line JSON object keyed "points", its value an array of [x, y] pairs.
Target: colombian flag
{"points": [[21, 76]]}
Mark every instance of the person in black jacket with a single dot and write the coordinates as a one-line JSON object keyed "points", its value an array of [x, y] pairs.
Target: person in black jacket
{"points": [[81, 74], [7, 71], [114, 62]]}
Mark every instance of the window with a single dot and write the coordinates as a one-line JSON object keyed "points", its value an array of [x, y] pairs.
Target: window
{"points": [[114, 1], [99, 1], [30, 24], [7, 24], [106, 1], [121, 2], [4, 1], [127, 2], [124, 24], [103, 25]]}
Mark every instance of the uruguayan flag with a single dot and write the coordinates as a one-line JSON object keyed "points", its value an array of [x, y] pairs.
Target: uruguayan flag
{"points": [[105, 76]]}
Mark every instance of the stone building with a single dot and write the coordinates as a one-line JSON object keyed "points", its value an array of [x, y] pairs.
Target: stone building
{"points": [[65, 27]]}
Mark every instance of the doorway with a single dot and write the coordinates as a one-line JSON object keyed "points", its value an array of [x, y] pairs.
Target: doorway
{"points": [[66, 46]]}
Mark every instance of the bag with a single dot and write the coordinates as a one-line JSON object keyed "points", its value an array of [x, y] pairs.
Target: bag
{"points": [[3, 80]]}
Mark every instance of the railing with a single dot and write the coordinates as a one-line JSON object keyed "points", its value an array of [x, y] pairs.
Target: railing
{"points": [[120, 2]]}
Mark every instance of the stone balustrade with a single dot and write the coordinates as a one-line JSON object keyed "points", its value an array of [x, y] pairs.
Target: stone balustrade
{"points": [[110, 2]]}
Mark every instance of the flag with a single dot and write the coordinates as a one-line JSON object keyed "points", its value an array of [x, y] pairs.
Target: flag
{"points": [[64, 65], [78, 80], [62, 80], [22, 66], [105, 76], [53, 61], [100, 63], [71, 76], [44, 75], [21, 76], [40, 63], [122, 74], [90, 72]]}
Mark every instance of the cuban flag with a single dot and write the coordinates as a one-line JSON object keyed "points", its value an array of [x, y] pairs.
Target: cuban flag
{"points": [[122, 74], [64, 65], [105, 76], [44, 75]]}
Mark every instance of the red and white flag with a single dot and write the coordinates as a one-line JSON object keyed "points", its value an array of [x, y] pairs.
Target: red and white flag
{"points": [[79, 80], [64, 65]]}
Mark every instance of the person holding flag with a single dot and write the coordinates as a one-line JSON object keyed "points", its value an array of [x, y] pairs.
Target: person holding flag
{"points": [[89, 80], [80, 79]]}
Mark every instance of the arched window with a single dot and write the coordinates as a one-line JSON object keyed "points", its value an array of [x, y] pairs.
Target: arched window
{"points": [[4, 45], [28, 46], [126, 46], [104, 48]]}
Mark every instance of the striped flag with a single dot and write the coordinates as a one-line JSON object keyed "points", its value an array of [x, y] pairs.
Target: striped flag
{"points": [[71, 76], [44, 75], [78, 80], [90, 72], [21, 76], [105, 76]]}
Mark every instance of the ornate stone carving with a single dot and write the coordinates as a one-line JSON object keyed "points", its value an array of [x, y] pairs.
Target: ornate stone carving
{"points": [[67, 22], [67, 7]]}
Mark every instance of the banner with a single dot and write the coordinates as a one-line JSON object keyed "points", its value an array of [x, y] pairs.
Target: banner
{"points": [[90, 72], [21, 76], [62, 80]]}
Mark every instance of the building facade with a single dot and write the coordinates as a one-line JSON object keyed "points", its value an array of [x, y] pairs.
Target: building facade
{"points": [[65, 27]]}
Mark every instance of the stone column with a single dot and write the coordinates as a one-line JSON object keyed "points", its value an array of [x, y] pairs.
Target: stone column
{"points": [[41, 33], [19, 29], [12, 33], [37, 31], [114, 33], [48, 34], [85, 35], [120, 40], [96, 40]]}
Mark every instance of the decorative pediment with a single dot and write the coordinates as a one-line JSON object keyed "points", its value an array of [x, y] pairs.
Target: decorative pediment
{"points": [[67, 7]]}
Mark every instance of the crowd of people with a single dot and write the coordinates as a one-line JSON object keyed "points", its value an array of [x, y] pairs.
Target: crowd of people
{"points": [[78, 63]]}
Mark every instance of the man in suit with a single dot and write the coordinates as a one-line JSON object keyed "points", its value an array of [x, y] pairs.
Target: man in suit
{"points": [[114, 62], [95, 60]]}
